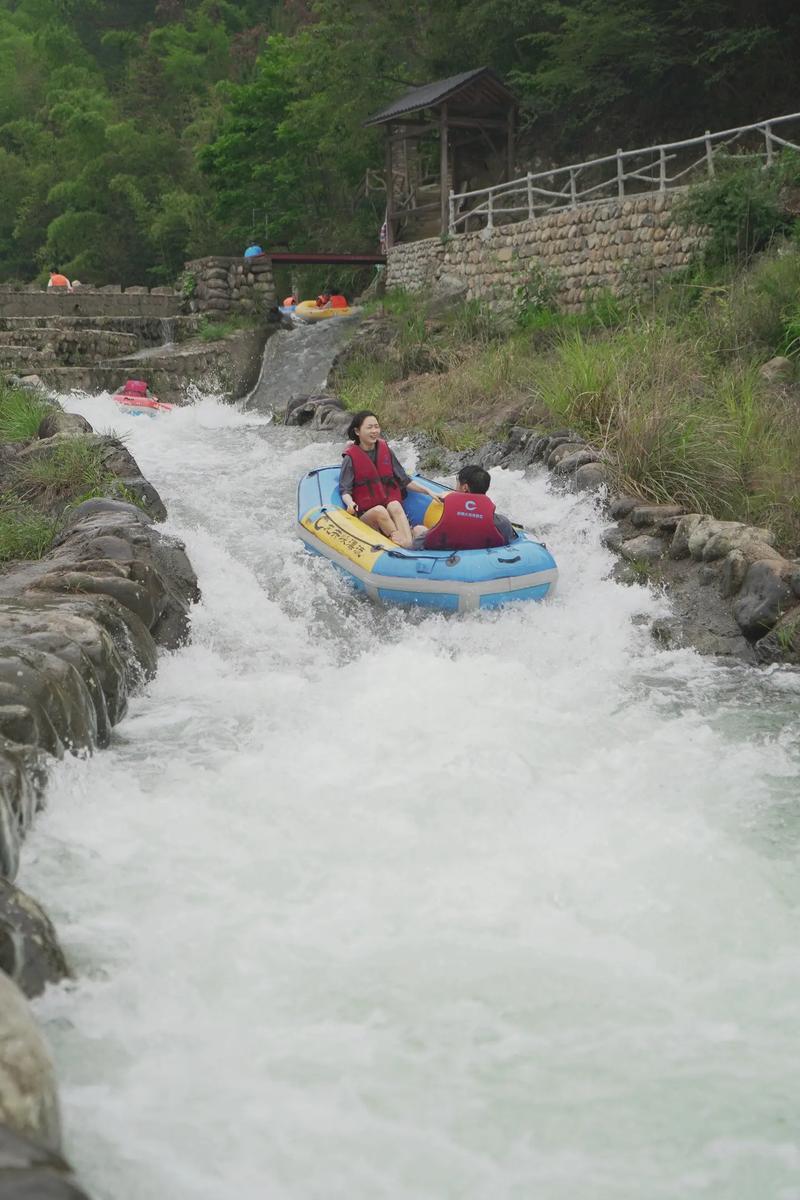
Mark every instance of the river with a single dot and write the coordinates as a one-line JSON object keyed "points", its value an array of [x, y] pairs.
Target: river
{"points": [[373, 906]]}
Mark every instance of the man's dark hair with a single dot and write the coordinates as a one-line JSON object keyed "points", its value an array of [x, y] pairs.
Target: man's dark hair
{"points": [[476, 479]]}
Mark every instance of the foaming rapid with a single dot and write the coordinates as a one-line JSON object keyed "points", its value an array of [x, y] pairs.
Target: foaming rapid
{"points": [[373, 906]]}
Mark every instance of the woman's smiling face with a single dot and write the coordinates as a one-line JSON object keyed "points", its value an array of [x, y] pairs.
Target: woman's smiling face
{"points": [[369, 431]]}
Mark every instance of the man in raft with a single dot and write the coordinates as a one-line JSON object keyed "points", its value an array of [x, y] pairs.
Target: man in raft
{"points": [[332, 300], [469, 520]]}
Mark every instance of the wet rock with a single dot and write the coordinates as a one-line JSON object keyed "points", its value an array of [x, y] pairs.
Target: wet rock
{"points": [[734, 569], [707, 574], [706, 538], [782, 643], [332, 420], [560, 451], [642, 515], [535, 449], [28, 1171], [32, 382], [642, 549], [28, 1100], [302, 409], [590, 477], [612, 537], [29, 950], [679, 546], [777, 370], [765, 595], [57, 421], [120, 462], [621, 506], [569, 463]]}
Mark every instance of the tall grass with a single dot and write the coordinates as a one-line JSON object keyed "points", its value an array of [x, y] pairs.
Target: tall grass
{"points": [[21, 414], [668, 384], [73, 468], [24, 531]]}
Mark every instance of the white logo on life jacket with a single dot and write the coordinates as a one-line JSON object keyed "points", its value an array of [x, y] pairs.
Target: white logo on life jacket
{"points": [[470, 504]]}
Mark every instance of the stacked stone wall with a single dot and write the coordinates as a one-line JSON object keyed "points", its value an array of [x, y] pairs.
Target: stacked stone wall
{"points": [[109, 301], [612, 244], [235, 286]]}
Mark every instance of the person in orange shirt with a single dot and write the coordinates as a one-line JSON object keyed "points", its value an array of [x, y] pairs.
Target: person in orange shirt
{"points": [[57, 280]]}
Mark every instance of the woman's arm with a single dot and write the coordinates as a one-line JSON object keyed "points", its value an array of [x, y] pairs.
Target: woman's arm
{"points": [[413, 486], [346, 479]]}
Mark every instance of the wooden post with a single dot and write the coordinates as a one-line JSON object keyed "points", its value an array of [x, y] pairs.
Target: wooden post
{"points": [[710, 156], [620, 175], [768, 138], [444, 181], [389, 190], [573, 189], [662, 169], [530, 196]]}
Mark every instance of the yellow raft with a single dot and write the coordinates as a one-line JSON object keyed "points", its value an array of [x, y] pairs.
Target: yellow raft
{"points": [[307, 310]]}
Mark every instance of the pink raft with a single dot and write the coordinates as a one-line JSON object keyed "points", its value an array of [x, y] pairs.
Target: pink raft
{"points": [[134, 398]]}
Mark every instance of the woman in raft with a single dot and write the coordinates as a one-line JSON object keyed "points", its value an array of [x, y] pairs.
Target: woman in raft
{"points": [[372, 482]]}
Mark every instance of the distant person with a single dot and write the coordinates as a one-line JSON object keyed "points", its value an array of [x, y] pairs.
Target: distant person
{"points": [[291, 301], [466, 524], [253, 251], [57, 281], [330, 299]]}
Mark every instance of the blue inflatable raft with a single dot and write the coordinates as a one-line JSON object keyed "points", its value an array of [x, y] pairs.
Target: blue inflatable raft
{"points": [[452, 581]]}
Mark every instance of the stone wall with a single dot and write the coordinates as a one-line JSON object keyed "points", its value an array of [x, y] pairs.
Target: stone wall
{"points": [[235, 286], [90, 302], [609, 244]]}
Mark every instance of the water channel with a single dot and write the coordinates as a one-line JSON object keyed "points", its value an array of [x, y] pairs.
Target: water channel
{"points": [[373, 906]]}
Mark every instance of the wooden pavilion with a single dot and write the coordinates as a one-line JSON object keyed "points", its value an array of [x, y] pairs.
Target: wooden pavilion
{"points": [[473, 118]]}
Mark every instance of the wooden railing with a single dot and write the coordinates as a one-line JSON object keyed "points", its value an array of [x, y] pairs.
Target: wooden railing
{"points": [[600, 178]]}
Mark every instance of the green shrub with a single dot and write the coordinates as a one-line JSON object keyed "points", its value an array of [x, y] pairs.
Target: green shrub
{"points": [[209, 330], [21, 414], [741, 207]]}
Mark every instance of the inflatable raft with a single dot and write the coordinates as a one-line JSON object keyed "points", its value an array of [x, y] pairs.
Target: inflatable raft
{"points": [[133, 398], [307, 310], [452, 581]]}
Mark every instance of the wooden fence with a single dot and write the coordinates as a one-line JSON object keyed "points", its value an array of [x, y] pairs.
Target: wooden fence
{"points": [[673, 164]]}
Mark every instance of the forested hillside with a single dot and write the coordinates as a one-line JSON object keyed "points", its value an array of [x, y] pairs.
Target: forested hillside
{"points": [[137, 133]]}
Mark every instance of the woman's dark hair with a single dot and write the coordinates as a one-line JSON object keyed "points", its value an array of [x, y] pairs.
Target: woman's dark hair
{"points": [[357, 421]]}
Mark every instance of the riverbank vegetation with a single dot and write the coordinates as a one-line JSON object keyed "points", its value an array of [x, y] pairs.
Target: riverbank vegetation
{"points": [[676, 384], [136, 136]]}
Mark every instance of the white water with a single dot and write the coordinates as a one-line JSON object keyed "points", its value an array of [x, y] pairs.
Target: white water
{"points": [[371, 907]]}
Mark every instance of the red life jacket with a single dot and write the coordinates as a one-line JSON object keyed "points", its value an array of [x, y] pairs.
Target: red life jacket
{"points": [[467, 523], [339, 302], [374, 482]]}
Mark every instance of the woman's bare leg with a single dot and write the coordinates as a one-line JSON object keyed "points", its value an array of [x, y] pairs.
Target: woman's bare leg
{"points": [[378, 518], [397, 513]]}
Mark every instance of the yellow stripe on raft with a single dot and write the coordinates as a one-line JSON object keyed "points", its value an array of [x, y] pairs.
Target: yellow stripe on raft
{"points": [[349, 537], [307, 309]]}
